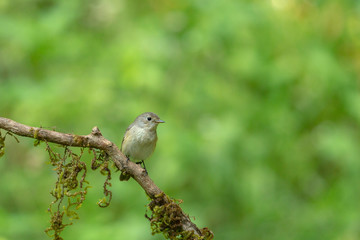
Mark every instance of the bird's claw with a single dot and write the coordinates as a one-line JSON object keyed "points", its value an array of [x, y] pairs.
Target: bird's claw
{"points": [[142, 162]]}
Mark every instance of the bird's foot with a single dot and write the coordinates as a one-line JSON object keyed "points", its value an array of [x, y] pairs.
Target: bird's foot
{"points": [[142, 162]]}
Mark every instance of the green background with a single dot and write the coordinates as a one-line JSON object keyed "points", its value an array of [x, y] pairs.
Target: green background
{"points": [[261, 102]]}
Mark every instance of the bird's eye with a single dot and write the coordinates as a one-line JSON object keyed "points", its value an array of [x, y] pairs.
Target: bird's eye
{"points": [[149, 118]]}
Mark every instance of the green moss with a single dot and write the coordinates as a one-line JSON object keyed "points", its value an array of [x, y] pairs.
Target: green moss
{"points": [[2, 142], [101, 160], [71, 175], [79, 140], [57, 225], [37, 142], [166, 218], [35, 133], [2, 145]]}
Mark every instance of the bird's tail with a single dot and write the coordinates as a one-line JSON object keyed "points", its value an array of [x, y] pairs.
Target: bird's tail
{"points": [[124, 176]]}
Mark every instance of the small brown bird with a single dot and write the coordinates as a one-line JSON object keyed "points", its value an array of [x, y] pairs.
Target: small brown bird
{"points": [[140, 139]]}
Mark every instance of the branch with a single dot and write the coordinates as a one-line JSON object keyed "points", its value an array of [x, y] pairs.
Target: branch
{"points": [[95, 140]]}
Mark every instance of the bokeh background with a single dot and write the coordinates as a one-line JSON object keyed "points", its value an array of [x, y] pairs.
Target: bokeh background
{"points": [[261, 102]]}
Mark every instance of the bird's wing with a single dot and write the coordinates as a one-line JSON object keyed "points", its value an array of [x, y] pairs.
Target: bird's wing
{"points": [[125, 135]]}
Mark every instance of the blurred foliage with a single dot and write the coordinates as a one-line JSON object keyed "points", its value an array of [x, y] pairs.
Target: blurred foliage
{"points": [[261, 102]]}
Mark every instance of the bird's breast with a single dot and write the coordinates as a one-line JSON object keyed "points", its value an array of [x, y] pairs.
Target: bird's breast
{"points": [[139, 143]]}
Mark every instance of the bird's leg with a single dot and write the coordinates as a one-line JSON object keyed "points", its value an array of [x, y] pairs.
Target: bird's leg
{"points": [[144, 166], [142, 162]]}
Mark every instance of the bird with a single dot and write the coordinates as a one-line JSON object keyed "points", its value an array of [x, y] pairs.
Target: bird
{"points": [[140, 139]]}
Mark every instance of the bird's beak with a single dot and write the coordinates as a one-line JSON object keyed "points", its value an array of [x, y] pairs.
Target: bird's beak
{"points": [[160, 121]]}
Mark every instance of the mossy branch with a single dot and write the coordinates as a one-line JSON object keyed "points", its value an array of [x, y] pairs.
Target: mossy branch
{"points": [[167, 216]]}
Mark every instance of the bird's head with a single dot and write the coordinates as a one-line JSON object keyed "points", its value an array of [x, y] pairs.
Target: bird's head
{"points": [[148, 120]]}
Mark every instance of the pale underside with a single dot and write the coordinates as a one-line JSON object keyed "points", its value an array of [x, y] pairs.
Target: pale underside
{"points": [[139, 146]]}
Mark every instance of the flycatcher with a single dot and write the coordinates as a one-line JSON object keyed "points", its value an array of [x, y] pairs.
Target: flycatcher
{"points": [[140, 139]]}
